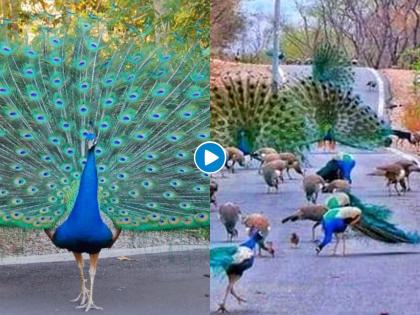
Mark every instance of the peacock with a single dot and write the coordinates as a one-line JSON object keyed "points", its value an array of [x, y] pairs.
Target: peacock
{"points": [[233, 261], [95, 130], [247, 114], [373, 221]]}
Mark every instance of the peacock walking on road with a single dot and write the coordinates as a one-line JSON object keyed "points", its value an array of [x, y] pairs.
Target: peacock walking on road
{"points": [[233, 261], [346, 210], [247, 114], [91, 126]]}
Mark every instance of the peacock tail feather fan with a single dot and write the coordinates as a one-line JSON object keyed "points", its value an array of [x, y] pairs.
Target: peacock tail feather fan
{"points": [[375, 223], [246, 114], [331, 64], [221, 257], [147, 103]]}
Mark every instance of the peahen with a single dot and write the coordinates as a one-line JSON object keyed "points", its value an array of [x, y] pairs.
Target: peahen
{"points": [[70, 96], [373, 221], [233, 261], [245, 113]]}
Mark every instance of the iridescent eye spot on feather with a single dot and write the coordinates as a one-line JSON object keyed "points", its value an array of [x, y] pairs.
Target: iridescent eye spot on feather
{"points": [[47, 158], [83, 109], [122, 176], [102, 168], [140, 136], [75, 175], [16, 215], [55, 140], [169, 195], [185, 205], [154, 217], [65, 126], [44, 174], [146, 184], [136, 58], [30, 53], [55, 42], [70, 152], [114, 187], [5, 50], [83, 87], [197, 77], [67, 167], [22, 152], [17, 167], [44, 210], [133, 193], [17, 201], [5, 90], [181, 155], [52, 199], [55, 61], [3, 192], [150, 169], [201, 217], [99, 151], [102, 180], [13, 114], [115, 200], [51, 186], [93, 46], [117, 142], [123, 212], [202, 135], [175, 183], [199, 188], [150, 156], [194, 93], [122, 159], [19, 181]]}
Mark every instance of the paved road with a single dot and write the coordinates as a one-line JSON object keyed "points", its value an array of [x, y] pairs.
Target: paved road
{"points": [[172, 283], [372, 279]]}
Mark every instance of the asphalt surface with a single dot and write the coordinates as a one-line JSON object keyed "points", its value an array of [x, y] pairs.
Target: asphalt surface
{"points": [[373, 278], [170, 283]]}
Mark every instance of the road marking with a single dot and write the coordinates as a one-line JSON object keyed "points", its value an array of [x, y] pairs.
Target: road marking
{"points": [[282, 75], [21, 260], [381, 91], [404, 155]]}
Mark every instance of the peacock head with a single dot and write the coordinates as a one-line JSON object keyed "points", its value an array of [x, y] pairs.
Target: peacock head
{"points": [[92, 140]]}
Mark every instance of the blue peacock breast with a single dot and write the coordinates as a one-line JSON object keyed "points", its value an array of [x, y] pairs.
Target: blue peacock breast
{"points": [[83, 237]]}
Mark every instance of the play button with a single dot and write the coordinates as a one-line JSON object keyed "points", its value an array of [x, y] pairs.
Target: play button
{"points": [[209, 157]]}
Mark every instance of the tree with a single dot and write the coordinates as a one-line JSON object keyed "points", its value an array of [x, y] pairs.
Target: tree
{"points": [[226, 21]]}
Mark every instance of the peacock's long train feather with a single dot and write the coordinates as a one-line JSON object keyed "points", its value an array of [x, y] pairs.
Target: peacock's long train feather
{"points": [[148, 105], [375, 223], [221, 257]]}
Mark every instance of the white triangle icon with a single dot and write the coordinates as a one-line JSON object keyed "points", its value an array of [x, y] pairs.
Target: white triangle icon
{"points": [[209, 157]]}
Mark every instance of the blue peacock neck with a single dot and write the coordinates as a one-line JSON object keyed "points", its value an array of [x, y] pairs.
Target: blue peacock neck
{"points": [[86, 207], [251, 242]]}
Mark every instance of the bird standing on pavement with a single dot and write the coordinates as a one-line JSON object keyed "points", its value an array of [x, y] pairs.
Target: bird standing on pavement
{"points": [[233, 261], [260, 222], [294, 240], [229, 215], [312, 185], [312, 213], [395, 174], [94, 126]]}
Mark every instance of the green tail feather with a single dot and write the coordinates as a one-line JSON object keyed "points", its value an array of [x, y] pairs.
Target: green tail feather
{"points": [[375, 224], [221, 258], [148, 104]]}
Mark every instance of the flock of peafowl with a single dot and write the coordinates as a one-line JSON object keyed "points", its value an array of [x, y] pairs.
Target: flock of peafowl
{"points": [[278, 130]]}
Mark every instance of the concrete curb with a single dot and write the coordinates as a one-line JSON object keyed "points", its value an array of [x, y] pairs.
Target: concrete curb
{"points": [[110, 253], [381, 92]]}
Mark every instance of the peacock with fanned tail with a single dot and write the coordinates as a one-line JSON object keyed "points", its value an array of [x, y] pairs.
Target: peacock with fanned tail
{"points": [[248, 115], [92, 126]]}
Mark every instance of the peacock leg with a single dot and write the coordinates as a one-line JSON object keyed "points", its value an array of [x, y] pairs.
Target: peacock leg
{"points": [[337, 240], [233, 279], [288, 174], [84, 292], [313, 230], [92, 272], [343, 237], [222, 308]]}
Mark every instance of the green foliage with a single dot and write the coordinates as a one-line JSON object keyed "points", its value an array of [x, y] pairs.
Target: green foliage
{"points": [[172, 21]]}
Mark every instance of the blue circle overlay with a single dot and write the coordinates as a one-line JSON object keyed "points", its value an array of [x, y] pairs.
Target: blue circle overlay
{"points": [[213, 151]]}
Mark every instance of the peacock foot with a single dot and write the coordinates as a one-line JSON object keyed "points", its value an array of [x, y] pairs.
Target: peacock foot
{"points": [[222, 309], [89, 305], [240, 299], [83, 296]]}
